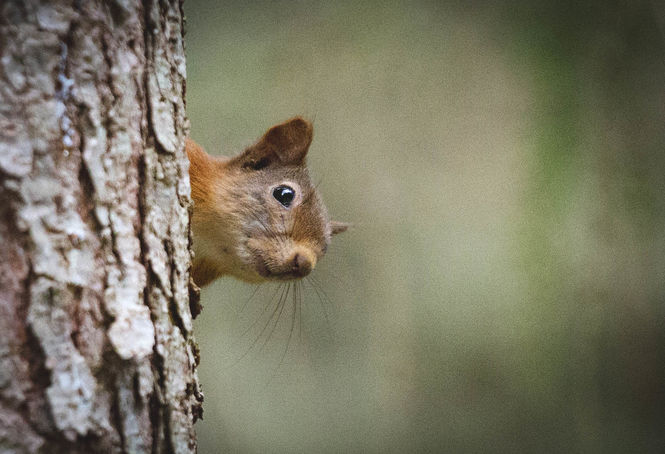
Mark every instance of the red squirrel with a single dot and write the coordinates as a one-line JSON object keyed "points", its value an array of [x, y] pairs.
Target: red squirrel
{"points": [[257, 216]]}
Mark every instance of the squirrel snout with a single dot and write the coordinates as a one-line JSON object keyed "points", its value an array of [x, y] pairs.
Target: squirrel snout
{"points": [[298, 265], [301, 265]]}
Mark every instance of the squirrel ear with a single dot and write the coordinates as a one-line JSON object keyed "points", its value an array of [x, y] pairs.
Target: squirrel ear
{"points": [[289, 140], [287, 143], [338, 227]]}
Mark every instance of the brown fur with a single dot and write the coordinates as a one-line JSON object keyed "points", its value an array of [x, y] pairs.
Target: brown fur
{"points": [[239, 228]]}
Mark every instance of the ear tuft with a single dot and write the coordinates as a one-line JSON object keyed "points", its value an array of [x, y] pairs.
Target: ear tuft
{"points": [[256, 164], [339, 227], [286, 143], [290, 140]]}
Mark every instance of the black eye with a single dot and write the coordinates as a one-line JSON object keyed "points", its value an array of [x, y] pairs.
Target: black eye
{"points": [[284, 195]]}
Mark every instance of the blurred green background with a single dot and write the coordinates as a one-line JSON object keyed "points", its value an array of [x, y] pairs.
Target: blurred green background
{"points": [[503, 289]]}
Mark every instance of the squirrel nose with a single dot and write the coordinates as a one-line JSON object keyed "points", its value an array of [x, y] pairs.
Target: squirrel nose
{"points": [[301, 265]]}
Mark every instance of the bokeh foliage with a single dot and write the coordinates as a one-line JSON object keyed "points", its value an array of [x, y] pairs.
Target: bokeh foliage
{"points": [[503, 289]]}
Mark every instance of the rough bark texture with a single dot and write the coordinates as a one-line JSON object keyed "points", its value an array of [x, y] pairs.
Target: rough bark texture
{"points": [[96, 346]]}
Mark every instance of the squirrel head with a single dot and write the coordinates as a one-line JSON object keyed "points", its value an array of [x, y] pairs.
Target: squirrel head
{"points": [[262, 217]]}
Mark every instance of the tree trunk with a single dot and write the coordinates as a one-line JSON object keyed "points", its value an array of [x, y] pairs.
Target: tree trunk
{"points": [[96, 346]]}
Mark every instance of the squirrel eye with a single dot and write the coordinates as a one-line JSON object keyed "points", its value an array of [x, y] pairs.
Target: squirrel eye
{"points": [[284, 195]]}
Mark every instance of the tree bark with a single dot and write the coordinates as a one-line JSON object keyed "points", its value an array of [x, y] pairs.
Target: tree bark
{"points": [[96, 345]]}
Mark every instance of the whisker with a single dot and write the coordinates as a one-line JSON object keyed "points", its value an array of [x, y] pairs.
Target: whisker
{"points": [[300, 313], [323, 307], [325, 295], [288, 341], [293, 321], [279, 315], [256, 289], [264, 326], [325, 313], [265, 308], [276, 306]]}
